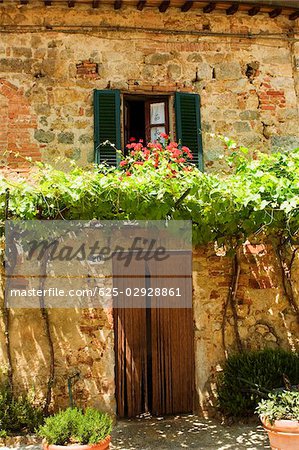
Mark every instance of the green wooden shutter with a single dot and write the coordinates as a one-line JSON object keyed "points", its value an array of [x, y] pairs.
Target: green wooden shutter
{"points": [[107, 126], [188, 128]]}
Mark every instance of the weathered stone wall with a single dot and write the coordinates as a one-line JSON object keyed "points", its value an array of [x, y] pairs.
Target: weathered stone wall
{"points": [[84, 338], [265, 317], [56, 56], [249, 90]]}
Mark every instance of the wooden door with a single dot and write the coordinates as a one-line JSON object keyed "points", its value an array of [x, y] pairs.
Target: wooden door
{"points": [[154, 347]]}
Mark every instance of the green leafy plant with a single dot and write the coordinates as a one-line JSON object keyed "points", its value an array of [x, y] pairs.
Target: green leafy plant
{"points": [[280, 405], [18, 414], [74, 425], [249, 376], [258, 195]]}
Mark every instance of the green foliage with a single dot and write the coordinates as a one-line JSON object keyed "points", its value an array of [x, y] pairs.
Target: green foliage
{"points": [[257, 195], [280, 405], [18, 414], [248, 377], [76, 426]]}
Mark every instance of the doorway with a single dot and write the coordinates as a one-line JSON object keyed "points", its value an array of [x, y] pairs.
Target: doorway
{"points": [[154, 347]]}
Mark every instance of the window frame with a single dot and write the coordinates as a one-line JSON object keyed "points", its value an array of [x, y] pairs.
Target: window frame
{"points": [[183, 112], [148, 98]]}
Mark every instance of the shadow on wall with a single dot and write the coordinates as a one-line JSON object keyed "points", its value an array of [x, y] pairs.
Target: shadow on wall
{"points": [[259, 315], [251, 307], [83, 345]]}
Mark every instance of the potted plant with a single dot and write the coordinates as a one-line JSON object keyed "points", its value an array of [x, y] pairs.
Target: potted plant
{"points": [[77, 429], [279, 414]]}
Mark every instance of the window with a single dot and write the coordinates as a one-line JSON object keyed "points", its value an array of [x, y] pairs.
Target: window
{"points": [[144, 117]]}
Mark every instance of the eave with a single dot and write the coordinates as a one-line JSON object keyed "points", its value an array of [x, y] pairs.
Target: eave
{"points": [[272, 8]]}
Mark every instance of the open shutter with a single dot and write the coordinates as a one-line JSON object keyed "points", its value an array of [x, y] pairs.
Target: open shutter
{"points": [[188, 129], [107, 126]]}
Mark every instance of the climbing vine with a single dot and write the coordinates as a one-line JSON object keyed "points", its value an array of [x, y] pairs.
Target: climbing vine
{"points": [[256, 195], [286, 257], [231, 301], [249, 196], [5, 310], [47, 328]]}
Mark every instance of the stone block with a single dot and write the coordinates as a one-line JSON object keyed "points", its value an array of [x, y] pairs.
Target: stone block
{"points": [[66, 138], [66, 96], [85, 138], [12, 65], [158, 58], [242, 127], [21, 52], [284, 143], [44, 136], [73, 153], [195, 57], [228, 71], [250, 115], [174, 71]]}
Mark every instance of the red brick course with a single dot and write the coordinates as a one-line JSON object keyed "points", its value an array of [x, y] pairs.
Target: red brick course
{"points": [[270, 99], [17, 123]]}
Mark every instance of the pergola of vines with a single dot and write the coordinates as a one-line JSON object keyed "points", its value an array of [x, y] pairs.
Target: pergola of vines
{"points": [[252, 198]]}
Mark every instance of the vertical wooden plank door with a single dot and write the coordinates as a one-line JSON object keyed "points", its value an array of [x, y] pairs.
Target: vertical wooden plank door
{"points": [[154, 348]]}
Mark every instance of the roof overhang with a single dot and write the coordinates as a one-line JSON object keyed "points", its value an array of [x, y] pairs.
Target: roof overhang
{"points": [[273, 8]]}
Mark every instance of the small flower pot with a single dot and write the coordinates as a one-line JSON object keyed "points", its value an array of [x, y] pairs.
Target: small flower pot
{"points": [[283, 434], [103, 445]]}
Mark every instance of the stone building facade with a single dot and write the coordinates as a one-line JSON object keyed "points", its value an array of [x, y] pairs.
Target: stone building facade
{"points": [[245, 67], [83, 339]]}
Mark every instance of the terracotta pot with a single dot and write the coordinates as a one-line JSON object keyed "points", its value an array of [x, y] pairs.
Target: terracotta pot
{"points": [[103, 445], [283, 434]]}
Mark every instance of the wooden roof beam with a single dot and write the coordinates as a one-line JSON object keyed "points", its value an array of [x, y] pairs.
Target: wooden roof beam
{"points": [[294, 15], [186, 6], [118, 4], [141, 4], [232, 9], [209, 8], [254, 11], [275, 12], [164, 6]]}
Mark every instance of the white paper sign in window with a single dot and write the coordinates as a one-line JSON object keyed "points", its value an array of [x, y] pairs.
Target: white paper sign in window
{"points": [[157, 113], [155, 132]]}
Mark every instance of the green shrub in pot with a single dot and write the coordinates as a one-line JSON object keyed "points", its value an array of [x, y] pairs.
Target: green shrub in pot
{"points": [[281, 405], [74, 425], [279, 414]]}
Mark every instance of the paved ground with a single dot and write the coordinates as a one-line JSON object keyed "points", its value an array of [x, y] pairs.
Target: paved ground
{"points": [[187, 432]]}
